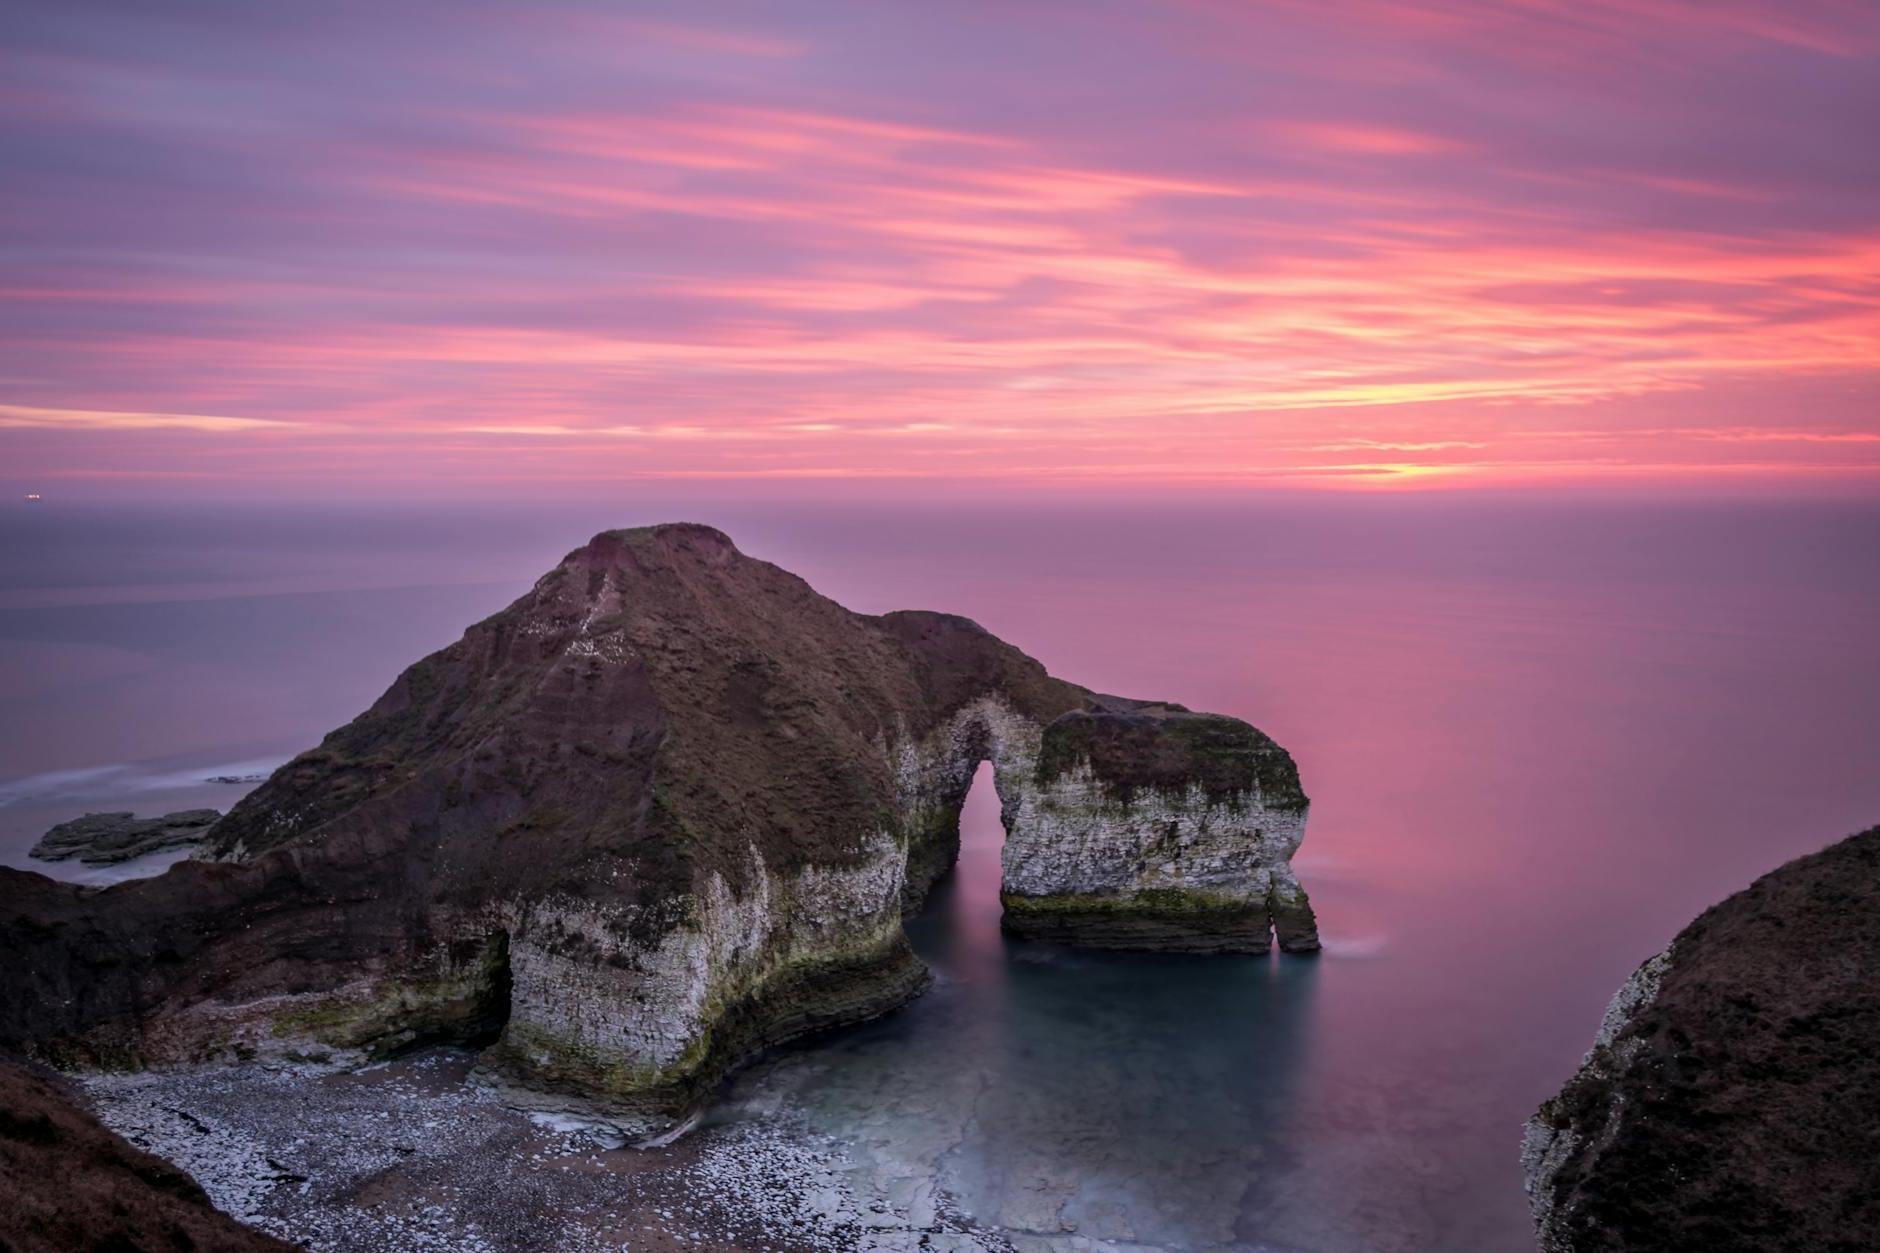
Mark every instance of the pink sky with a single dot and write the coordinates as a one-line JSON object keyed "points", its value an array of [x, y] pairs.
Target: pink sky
{"points": [[1365, 244]]}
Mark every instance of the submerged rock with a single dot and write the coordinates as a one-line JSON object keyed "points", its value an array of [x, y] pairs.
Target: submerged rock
{"points": [[67, 1182], [663, 811], [105, 839], [1728, 1102]]}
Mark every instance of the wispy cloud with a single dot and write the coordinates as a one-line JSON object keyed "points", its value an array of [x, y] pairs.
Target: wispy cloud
{"points": [[1266, 242], [98, 420]]}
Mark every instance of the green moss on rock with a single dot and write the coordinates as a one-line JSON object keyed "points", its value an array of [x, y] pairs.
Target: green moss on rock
{"points": [[466, 1003], [1172, 919], [1184, 902], [796, 998]]}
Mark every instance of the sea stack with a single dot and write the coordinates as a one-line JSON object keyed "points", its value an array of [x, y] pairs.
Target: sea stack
{"points": [[665, 810], [105, 839], [1728, 1103]]}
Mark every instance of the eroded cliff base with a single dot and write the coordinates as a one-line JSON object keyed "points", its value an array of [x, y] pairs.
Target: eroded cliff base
{"points": [[548, 1075], [1161, 920]]}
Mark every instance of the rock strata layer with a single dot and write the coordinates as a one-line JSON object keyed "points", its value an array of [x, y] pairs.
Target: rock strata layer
{"points": [[665, 810], [105, 839], [67, 1182], [1728, 1102]]}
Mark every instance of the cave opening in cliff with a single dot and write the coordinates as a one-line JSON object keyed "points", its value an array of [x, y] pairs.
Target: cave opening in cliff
{"points": [[489, 1005], [474, 1010]]}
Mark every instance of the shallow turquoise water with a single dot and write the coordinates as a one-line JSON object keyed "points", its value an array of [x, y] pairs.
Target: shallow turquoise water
{"points": [[1130, 1099]]}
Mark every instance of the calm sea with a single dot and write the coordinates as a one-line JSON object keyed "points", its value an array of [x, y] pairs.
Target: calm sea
{"points": [[1539, 738]]}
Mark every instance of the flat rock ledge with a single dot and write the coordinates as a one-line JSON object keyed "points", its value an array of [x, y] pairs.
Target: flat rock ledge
{"points": [[1728, 1103], [106, 839]]}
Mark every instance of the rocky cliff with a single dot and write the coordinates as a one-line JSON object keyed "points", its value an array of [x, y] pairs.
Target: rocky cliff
{"points": [[66, 1182], [664, 810], [1728, 1102]]}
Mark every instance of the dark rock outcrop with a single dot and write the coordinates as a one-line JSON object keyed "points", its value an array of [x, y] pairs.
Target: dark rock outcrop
{"points": [[66, 1182], [1729, 1103], [105, 839], [663, 811]]}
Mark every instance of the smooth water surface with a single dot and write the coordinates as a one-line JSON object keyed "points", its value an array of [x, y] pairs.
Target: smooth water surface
{"points": [[1539, 739]]}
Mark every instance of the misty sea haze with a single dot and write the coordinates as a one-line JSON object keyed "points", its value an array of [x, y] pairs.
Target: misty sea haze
{"points": [[1539, 737]]}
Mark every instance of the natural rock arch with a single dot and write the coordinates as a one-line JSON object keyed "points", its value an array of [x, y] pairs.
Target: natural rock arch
{"points": [[670, 806], [1128, 825]]}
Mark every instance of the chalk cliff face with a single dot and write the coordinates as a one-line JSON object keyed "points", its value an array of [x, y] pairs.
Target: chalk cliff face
{"points": [[1728, 1101], [666, 809]]}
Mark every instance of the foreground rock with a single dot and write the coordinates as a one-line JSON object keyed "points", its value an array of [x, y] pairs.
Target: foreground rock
{"points": [[106, 839], [664, 811], [68, 1183], [1729, 1101]]}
